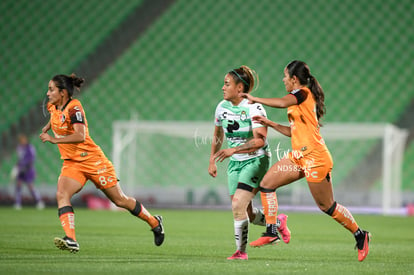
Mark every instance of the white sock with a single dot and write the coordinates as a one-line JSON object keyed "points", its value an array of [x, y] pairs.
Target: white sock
{"points": [[241, 232]]}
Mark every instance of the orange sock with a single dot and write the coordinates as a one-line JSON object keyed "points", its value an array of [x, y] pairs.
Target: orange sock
{"points": [[342, 215], [269, 202], [146, 216], [67, 220], [141, 212]]}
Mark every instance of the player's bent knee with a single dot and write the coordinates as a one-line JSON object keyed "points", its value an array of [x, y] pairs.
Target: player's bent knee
{"points": [[60, 195], [238, 207], [267, 185]]}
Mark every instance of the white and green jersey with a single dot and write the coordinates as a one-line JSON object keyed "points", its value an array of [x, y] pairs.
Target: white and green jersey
{"points": [[238, 125]]}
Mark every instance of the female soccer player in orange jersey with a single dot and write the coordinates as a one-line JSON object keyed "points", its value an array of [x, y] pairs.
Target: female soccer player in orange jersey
{"points": [[83, 160], [309, 158]]}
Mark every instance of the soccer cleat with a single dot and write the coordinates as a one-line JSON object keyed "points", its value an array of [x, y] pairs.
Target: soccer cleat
{"points": [[67, 243], [158, 232], [238, 255], [363, 246], [283, 229], [259, 217], [266, 239]]}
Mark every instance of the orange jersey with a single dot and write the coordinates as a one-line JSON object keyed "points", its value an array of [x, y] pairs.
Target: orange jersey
{"points": [[304, 125], [62, 122]]}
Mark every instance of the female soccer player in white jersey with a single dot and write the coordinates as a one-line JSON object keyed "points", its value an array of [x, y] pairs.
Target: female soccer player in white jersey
{"points": [[248, 151]]}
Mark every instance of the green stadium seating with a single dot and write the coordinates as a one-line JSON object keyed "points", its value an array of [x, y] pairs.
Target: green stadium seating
{"points": [[359, 50], [41, 39], [44, 38]]}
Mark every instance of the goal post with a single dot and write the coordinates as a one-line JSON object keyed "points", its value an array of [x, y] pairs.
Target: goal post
{"points": [[165, 163]]}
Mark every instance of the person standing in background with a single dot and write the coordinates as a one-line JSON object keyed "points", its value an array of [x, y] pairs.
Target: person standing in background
{"points": [[25, 172]]}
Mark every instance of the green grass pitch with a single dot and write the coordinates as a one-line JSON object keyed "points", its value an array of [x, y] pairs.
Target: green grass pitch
{"points": [[197, 242]]}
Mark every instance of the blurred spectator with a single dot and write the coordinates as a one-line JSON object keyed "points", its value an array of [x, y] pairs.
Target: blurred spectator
{"points": [[25, 172]]}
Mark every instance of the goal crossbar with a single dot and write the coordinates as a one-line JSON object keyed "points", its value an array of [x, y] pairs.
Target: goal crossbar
{"points": [[393, 145]]}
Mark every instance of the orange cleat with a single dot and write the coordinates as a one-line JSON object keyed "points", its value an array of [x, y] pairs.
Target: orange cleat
{"points": [[283, 229], [265, 239], [363, 246]]}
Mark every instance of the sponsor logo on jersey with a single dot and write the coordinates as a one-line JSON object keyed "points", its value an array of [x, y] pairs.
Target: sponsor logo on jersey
{"points": [[229, 116], [243, 115]]}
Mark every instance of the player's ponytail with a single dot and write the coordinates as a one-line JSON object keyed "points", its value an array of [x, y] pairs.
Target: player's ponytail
{"points": [[68, 83], [301, 70], [247, 76], [77, 81], [319, 96]]}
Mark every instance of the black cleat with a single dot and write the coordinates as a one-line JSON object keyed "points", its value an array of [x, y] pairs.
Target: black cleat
{"points": [[67, 243], [158, 232]]}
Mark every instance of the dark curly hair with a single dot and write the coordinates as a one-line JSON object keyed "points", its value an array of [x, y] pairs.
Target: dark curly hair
{"points": [[68, 82]]}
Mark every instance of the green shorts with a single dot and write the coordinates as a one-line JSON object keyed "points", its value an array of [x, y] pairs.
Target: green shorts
{"points": [[249, 172]]}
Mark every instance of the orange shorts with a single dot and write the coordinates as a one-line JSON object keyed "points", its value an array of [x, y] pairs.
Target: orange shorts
{"points": [[97, 169], [317, 164]]}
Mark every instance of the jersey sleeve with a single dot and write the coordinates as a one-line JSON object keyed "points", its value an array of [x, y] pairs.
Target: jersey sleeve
{"points": [[76, 114], [217, 119], [300, 95], [257, 110]]}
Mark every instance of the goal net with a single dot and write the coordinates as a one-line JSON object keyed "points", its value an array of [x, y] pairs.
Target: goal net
{"points": [[165, 163]]}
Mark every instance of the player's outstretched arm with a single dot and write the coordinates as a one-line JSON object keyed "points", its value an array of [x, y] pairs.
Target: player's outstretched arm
{"points": [[283, 102], [284, 130]]}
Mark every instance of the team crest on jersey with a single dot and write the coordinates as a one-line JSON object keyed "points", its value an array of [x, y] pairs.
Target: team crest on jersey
{"points": [[62, 118], [243, 115]]}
